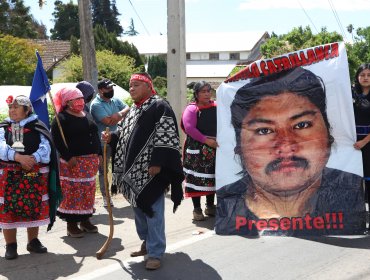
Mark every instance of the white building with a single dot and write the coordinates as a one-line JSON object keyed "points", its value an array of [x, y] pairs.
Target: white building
{"points": [[209, 56]]}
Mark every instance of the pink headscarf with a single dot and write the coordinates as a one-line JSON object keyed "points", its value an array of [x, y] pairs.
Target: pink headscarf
{"points": [[64, 95]]}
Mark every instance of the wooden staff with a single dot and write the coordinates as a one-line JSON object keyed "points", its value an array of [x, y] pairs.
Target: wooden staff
{"points": [[57, 119], [103, 249]]}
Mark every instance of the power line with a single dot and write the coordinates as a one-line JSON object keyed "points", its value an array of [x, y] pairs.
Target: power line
{"points": [[338, 20], [308, 16], [139, 17]]}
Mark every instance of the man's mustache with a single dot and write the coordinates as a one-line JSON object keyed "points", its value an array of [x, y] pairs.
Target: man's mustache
{"points": [[297, 162]]}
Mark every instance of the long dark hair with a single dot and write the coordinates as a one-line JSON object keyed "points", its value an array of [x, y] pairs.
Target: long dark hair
{"points": [[357, 86]]}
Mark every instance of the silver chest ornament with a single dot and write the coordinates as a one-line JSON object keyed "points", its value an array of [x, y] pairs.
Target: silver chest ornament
{"points": [[17, 137]]}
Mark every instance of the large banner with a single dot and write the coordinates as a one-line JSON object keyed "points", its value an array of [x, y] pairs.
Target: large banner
{"points": [[286, 163]]}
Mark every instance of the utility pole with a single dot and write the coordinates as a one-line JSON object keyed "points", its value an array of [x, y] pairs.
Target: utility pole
{"points": [[90, 72], [176, 57]]}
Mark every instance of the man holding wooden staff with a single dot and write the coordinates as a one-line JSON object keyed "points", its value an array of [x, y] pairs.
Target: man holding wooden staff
{"points": [[147, 161]]}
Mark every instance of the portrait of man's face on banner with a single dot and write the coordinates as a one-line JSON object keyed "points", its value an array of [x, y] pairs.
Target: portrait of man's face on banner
{"points": [[283, 182]]}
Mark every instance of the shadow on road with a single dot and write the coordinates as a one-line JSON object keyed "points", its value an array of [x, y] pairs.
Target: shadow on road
{"points": [[118, 213], [174, 266], [359, 242], [28, 266], [91, 243]]}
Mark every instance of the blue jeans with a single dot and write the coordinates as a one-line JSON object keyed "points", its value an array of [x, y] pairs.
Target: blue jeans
{"points": [[152, 229], [101, 171]]}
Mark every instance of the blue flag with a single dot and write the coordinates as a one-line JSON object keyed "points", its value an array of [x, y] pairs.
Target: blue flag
{"points": [[39, 90]]}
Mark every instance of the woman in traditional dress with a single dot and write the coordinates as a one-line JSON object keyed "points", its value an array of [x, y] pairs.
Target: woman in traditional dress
{"points": [[79, 160], [29, 180], [361, 107], [200, 125]]}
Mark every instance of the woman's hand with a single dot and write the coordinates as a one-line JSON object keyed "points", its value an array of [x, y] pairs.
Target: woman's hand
{"points": [[154, 170], [360, 144], [27, 161], [211, 142]]}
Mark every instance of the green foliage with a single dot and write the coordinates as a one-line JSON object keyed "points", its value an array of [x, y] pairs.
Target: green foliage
{"points": [[3, 116], [160, 82], [66, 21], [75, 45], [50, 112], [105, 40], [359, 51], [300, 38], [105, 13], [16, 20], [114, 23], [157, 66], [118, 68], [189, 95], [160, 86], [71, 70], [129, 101], [131, 29], [18, 60], [236, 69], [354, 58], [297, 39]]}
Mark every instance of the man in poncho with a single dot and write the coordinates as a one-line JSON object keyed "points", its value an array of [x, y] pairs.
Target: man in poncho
{"points": [[147, 161]]}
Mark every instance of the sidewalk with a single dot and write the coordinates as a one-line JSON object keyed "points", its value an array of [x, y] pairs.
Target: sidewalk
{"points": [[74, 257]]}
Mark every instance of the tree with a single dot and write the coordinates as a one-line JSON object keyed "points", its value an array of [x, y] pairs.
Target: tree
{"points": [[40, 29], [297, 39], [359, 51], [115, 23], [350, 29], [157, 66], [106, 14], [118, 68], [105, 40], [87, 41], [75, 46], [18, 60], [160, 85], [4, 8], [16, 20], [66, 21], [131, 29]]}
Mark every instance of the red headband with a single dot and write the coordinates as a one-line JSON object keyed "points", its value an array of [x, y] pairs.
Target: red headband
{"points": [[142, 78]]}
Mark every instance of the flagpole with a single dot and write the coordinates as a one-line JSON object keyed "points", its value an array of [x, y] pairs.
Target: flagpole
{"points": [[57, 119], [40, 85]]}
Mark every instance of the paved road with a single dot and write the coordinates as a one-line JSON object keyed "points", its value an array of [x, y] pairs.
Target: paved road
{"points": [[72, 257], [193, 252], [216, 257]]}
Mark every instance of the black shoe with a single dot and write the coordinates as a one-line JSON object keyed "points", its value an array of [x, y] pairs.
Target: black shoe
{"points": [[11, 251], [35, 246]]}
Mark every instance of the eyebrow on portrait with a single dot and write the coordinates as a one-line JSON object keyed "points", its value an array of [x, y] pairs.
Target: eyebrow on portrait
{"points": [[303, 114], [259, 120]]}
